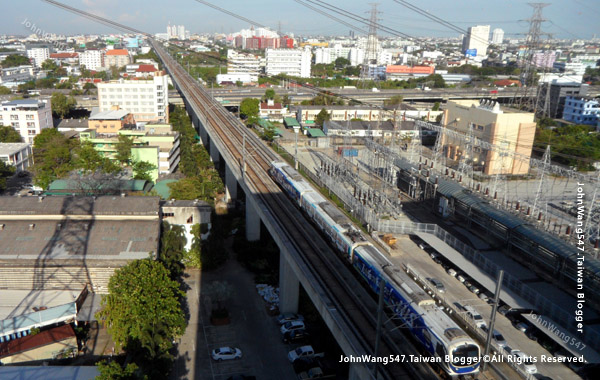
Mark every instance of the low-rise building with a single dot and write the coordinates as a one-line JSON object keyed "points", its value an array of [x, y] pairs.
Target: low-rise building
{"points": [[243, 64], [509, 129], [581, 110], [27, 116], [117, 58], [16, 154], [271, 110], [13, 76], [111, 121], [156, 144], [65, 58], [361, 129], [55, 343], [306, 114], [402, 72]]}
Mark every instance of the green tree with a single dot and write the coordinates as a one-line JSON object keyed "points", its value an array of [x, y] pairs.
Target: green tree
{"points": [[123, 148], [249, 110], [90, 161], [52, 154], [114, 371], [322, 117], [436, 106], [268, 133], [172, 249], [341, 62], [286, 100], [5, 90], [61, 105], [14, 60], [5, 172], [142, 170], [269, 94], [49, 65], [88, 87], [9, 135], [25, 87], [142, 310], [394, 101]]}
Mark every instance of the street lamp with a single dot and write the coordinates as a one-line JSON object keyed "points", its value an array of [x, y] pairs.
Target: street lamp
{"points": [[296, 131]]}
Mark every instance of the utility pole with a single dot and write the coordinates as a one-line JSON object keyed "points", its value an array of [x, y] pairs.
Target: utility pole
{"points": [[493, 318]]}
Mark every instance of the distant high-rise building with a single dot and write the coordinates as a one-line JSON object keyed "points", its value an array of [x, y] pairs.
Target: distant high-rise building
{"points": [[497, 36], [475, 43], [181, 32], [294, 62]]}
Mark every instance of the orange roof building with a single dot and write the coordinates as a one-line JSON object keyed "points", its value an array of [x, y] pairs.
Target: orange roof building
{"points": [[117, 57]]}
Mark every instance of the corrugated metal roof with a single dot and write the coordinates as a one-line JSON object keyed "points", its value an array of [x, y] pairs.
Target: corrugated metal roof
{"points": [[547, 241], [291, 122], [315, 132]]}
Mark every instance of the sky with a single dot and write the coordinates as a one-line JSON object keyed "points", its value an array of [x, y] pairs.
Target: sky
{"points": [[570, 19]]}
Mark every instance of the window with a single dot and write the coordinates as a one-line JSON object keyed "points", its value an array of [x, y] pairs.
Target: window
{"points": [[31, 132], [30, 124], [29, 117], [15, 124], [168, 214], [14, 117]]}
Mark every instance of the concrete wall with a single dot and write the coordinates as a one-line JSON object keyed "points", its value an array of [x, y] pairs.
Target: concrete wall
{"points": [[49, 351]]}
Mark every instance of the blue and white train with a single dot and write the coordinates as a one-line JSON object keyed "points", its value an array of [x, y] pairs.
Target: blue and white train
{"points": [[454, 351]]}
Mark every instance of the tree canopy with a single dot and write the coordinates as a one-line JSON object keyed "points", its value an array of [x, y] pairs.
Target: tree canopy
{"points": [[142, 169], [9, 135], [52, 156], [123, 148], [322, 117], [142, 310], [14, 60], [5, 172], [249, 110], [172, 248], [61, 105]]}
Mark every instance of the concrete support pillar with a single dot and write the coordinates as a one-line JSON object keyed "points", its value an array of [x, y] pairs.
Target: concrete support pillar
{"points": [[202, 133], [289, 287], [358, 371], [252, 221], [214, 152], [230, 185]]}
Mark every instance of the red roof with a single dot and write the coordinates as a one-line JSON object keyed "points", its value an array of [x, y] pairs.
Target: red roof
{"points": [[117, 52], [146, 69], [401, 69], [274, 106], [30, 342], [63, 55]]}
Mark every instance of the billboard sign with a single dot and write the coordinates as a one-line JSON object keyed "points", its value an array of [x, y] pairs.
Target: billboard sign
{"points": [[471, 53]]}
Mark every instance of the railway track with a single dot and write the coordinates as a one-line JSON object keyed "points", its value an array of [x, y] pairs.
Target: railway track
{"points": [[355, 304]]}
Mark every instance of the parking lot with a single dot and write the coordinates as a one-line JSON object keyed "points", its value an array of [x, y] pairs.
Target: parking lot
{"points": [[251, 329]]}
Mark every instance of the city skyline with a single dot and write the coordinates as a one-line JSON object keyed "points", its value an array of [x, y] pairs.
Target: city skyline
{"points": [[567, 19]]}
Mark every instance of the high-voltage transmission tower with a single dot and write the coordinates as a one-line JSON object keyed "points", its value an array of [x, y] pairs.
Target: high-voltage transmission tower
{"points": [[542, 173], [370, 59], [528, 62]]}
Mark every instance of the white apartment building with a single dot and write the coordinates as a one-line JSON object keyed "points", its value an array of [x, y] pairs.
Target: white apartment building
{"points": [[38, 55], [27, 116], [242, 63], [325, 55], [497, 36], [577, 68], [294, 62], [16, 154], [477, 38], [581, 110], [92, 59], [147, 100]]}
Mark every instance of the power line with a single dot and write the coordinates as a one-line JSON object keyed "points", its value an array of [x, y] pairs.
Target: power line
{"points": [[330, 16]]}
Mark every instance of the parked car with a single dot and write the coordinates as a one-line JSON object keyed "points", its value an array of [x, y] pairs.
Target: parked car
{"points": [[437, 284], [475, 317], [483, 296], [531, 333], [460, 277], [526, 362], [286, 317], [474, 289], [522, 326], [295, 336], [424, 246], [313, 373], [226, 353], [302, 352], [504, 309], [499, 339], [292, 325], [451, 272], [510, 351], [467, 283]]}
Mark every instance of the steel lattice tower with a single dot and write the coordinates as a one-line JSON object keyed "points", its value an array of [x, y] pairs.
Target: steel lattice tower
{"points": [[370, 58], [529, 69]]}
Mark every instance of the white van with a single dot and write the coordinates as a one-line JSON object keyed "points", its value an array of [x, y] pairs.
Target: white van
{"points": [[474, 316]]}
